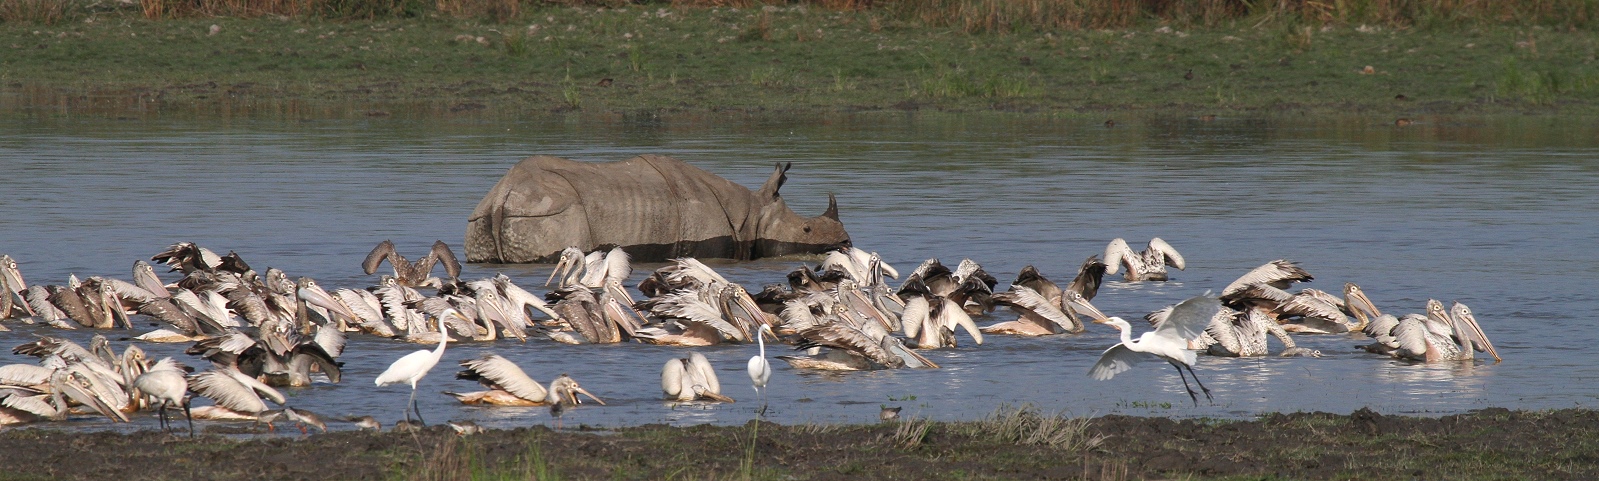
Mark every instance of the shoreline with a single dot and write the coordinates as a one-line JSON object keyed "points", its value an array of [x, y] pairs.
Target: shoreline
{"points": [[1492, 443]]}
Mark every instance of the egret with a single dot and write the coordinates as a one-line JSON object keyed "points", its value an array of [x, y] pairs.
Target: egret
{"points": [[1169, 341], [165, 382], [413, 366], [760, 370]]}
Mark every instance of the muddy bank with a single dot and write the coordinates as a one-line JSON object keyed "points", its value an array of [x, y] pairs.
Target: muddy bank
{"points": [[1488, 444]]}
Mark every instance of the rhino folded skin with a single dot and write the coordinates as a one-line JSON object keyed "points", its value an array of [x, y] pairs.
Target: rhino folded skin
{"points": [[655, 207]]}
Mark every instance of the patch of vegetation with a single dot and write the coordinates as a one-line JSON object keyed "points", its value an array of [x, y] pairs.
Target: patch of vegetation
{"points": [[451, 58]]}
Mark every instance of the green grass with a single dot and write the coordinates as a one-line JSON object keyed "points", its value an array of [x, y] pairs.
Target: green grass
{"points": [[786, 58]]}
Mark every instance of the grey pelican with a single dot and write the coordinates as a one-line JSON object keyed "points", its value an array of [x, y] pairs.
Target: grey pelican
{"points": [[12, 302], [412, 367], [1149, 265], [1039, 316], [188, 257], [593, 270], [509, 385], [144, 276], [413, 274], [1168, 342], [1441, 335], [166, 382], [237, 395], [691, 379]]}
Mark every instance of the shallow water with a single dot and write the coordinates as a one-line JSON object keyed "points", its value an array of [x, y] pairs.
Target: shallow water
{"points": [[1497, 213]]}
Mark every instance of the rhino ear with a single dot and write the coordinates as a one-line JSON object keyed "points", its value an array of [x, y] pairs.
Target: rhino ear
{"points": [[832, 208], [775, 182]]}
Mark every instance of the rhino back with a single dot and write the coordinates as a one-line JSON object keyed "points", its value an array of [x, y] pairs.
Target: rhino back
{"points": [[656, 207]]}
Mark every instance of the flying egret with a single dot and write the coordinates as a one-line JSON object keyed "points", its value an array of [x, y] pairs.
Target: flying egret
{"points": [[760, 370], [413, 366], [1168, 341]]}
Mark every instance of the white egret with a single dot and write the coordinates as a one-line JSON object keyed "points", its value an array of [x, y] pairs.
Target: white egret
{"points": [[413, 366], [760, 370], [1169, 341]]}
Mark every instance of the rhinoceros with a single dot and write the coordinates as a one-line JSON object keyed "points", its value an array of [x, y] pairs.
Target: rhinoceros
{"points": [[655, 207]]}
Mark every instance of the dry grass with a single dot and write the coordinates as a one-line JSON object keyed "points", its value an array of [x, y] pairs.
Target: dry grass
{"points": [[1026, 426], [46, 12]]}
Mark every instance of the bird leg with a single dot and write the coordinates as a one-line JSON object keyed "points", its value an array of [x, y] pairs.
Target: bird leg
{"points": [[161, 416], [1201, 386], [1191, 394], [415, 409], [188, 416]]}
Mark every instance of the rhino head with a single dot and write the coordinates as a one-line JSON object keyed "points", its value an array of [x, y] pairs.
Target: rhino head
{"points": [[776, 230]]}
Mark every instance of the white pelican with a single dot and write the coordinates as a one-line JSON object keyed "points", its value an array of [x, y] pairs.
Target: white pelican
{"points": [[412, 367], [1169, 342], [691, 379], [1149, 265], [413, 274]]}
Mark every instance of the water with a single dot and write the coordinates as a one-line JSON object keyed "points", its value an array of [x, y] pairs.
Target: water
{"points": [[1497, 213]]}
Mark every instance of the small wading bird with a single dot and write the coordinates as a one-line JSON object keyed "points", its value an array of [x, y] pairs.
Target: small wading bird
{"points": [[167, 383], [1169, 342], [413, 274], [760, 370], [413, 366]]}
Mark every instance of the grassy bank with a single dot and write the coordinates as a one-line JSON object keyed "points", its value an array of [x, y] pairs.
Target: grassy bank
{"points": [[1010, 444], [793, 57]]}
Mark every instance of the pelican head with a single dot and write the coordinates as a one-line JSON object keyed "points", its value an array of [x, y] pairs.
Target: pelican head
{"points": [[564, 389], [571, 258], [1359, 305]]}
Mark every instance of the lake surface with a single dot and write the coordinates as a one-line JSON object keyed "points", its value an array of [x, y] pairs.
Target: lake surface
{"points": [[1497, 213]]}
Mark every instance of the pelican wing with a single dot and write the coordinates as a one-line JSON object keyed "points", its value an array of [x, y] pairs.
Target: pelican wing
{"points": [[1278, 273], [1411, 336], [917, 313], [505, 375], [24, 375], [1168, 252], [1117, 253], [1114, 361], [1189, 318], [700, 370], [442, 253], [29, 401], [382, 252], [1030, 300], [839, 336], [698, 312], [226, 392]]}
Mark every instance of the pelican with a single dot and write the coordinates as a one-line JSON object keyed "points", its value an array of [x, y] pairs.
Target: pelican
{"points": [[413, 273], [1169, 342], [1149, 265], [237, 395], [412, 367], [165, 382], [12, 287], [593, 270], [1441, 335], [691, 379], [563, 394], [1039, 316], [508, 384]]}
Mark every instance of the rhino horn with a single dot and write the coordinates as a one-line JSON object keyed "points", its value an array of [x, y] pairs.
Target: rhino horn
{"points": [[775, 182], [832, 208]]}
